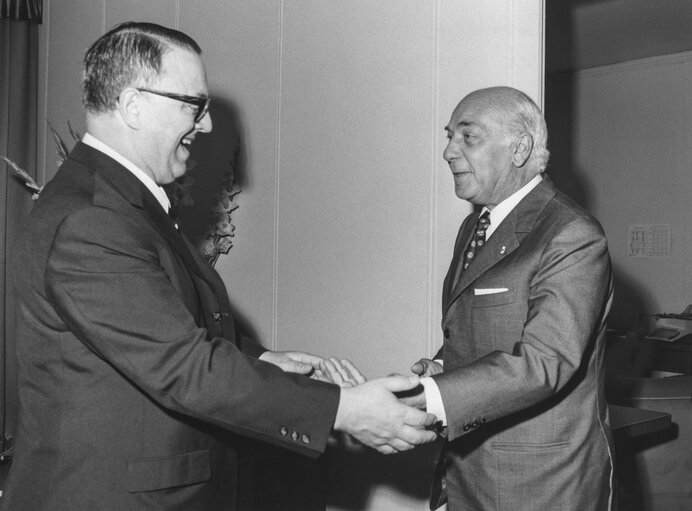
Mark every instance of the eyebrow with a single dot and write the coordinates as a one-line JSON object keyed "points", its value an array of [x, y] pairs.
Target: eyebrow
{"points": [[460, 124]]}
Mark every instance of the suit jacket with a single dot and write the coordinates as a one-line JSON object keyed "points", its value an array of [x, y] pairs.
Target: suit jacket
{"points": [[523, 383], [135, 391]]}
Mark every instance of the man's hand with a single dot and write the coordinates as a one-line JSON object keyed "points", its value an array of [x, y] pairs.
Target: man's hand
{"points": [[372, 414], [293, 361], [426, 367], [340, 372]]}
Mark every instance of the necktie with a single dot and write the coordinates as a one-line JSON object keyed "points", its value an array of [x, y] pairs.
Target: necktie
{"points": [[438, 491], [478, 238]]}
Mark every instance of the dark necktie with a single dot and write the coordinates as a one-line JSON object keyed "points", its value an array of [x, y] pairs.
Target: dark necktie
{"points": [[438, 491]]}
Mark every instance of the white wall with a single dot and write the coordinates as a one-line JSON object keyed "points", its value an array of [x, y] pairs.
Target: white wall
{"points": [[347, 212], [625, 141]]}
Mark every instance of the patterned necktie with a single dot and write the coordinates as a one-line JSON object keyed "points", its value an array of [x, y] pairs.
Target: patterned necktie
{"points": [[478, 239]]}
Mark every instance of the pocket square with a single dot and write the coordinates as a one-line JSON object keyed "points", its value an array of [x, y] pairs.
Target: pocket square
{"points": [[490, 291]]}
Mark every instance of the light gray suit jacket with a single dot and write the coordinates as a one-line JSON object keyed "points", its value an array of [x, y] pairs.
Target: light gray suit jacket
{"points": [[523, 384]]}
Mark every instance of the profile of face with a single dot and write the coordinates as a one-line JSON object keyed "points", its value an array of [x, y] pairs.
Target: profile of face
{"points": [[167, 126], [480, 152]]}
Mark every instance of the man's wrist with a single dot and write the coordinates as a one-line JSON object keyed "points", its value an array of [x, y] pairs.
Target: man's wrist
{"points": [[433, 399]]}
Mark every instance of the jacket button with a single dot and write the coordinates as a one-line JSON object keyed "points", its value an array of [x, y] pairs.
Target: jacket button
{"points": [[475, 424], [305, 439], [283, 431], [294, 436], [466, 427], [483, 420], [446, 333]]}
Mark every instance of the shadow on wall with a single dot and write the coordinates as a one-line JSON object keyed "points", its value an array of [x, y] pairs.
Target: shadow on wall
{"points": [[214, 154], [631, 300]]}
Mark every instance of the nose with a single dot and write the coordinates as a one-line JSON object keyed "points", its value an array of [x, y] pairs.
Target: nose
{"points": [[451, 152], [204, 125]]}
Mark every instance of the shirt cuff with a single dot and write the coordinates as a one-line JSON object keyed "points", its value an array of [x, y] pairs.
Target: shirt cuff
{"points": [[433, 399]]}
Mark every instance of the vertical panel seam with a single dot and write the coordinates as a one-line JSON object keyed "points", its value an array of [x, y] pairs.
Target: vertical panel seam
{"points": [[277, 183], [103, 16], [511, 42], [432, 270], [177, 14], [43, 115], [541, 57]]}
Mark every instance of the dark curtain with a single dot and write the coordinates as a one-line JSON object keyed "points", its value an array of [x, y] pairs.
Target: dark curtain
{"points": [[21, 10], [18, 142]]}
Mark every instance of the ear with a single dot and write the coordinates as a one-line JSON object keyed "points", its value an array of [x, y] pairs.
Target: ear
{"points": [[523, 145], [129, 103]]}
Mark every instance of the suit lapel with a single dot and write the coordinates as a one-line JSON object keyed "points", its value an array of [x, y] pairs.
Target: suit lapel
{"points": [[455, 268], [505, 240], [134, 191]]}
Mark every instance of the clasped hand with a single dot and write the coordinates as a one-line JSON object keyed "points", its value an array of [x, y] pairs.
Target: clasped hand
{"points": [[369, 411], [377, 412]]}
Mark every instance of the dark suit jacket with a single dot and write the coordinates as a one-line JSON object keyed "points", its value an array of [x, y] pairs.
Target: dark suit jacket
{"points": [[135, 390], [523, 354]]}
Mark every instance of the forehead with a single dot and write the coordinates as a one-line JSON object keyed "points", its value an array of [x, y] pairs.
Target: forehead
{"points": [[183, 68], [474, 110]]}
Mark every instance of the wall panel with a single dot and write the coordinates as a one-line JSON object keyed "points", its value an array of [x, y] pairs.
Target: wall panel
{"points": [[240, 43], [67, 36], [354, 180], [154, 11], [631, 159]]}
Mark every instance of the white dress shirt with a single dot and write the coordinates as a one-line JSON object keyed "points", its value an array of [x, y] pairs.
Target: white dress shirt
{"points": [[433, 399], [158, 192]]}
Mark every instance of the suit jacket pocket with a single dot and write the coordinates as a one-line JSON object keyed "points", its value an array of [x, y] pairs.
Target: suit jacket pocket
{"points": [[491, 300], [148, 474]]}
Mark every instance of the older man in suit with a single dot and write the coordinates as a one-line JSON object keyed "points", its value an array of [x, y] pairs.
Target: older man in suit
{"points": [[135, 390], [519, 379]]}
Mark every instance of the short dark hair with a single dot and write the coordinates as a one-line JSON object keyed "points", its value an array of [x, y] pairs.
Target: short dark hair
{"points": [[129, 55]]}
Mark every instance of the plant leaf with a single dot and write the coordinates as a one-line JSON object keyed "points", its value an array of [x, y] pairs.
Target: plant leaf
{"points": [[22, 175], [61, 147]]}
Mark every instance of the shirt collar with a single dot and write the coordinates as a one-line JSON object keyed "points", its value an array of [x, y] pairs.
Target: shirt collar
{"points": [[158, 192], [504, 208]]}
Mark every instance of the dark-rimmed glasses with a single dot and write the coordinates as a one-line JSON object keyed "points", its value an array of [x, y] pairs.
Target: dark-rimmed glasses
{"points": [[201, 102]]}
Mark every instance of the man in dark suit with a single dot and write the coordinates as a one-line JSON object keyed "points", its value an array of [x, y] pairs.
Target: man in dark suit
{"points": [[135, 390], [519, 378]]}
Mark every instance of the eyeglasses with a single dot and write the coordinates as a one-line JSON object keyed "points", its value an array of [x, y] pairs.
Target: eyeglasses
{"points": [[201, 102]]}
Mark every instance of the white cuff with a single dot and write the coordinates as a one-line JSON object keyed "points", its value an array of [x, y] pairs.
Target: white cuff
{"points": [[433, 399]]}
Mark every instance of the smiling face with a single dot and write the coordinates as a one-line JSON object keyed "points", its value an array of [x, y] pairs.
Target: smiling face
{"points": [[168, 126], [481, 151]]}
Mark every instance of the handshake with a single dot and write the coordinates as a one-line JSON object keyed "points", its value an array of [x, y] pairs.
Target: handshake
{"points": [[387, 414]]}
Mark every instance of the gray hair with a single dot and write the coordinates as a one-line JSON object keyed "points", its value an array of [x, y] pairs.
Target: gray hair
{"points": [[520, 114]]}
